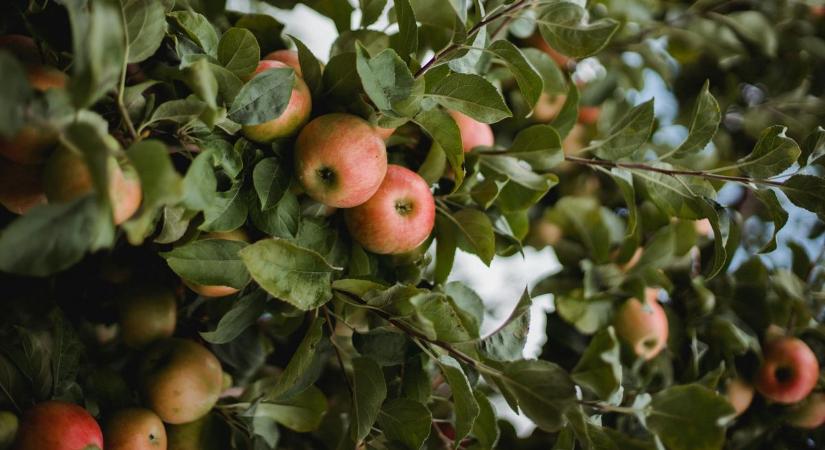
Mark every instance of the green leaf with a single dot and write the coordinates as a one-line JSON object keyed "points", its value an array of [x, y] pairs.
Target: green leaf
{"points": [[471, 95], [267, 30], [244, 313], [226, 210], [384, 345], [703, 126], [600, 368], [569, 114], [271, 180], [544, 391], [629, 133], [507, 342], [370, 11], [197, 28], [539, 145], [264, 97], [302, 413], [446, 240], [813, 149], [178, 111], [341, 79], [405, 422], [15, 92], [443, 130], [561, 24], [468, 301], [689, 417], [368, 393], [772, 155], [553, 80], [475, 233], [145, 28], [210, 262], [529, 80], [525, 187], [776, 212], [466, 406], [304, 367], [385, 77], [675, 195], [487, 191], [808, 192], [297, 275], [282, 220], [485, 428], [239, 52], [310, 67], [441, 318], [405, 43], [200, 77]]}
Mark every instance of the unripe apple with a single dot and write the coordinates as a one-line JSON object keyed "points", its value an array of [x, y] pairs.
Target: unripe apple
{"points": [[21, 187], [548, 107], [789, 370], [147, 313], [398, 218], [180, 380], [57, 425], [288, 57], [291, 120], [218, 291], [340, 160], [8, 429], [643, 326], [473, 132], [135, 429], [810, 413], [739, 394]]}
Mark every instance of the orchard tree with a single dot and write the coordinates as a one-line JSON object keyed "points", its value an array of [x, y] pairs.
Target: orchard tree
{"points": [[214, 237]]}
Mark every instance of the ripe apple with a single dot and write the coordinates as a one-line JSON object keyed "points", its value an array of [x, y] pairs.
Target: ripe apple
{"points": [[818, 11], [473, 132], [398, 218], [67, 177], [288, 57], [548, 107], [789, 370], [146, 313], [291, 120], [643, 326], [218, 291], [810, 413], [57, 425], [180, 380], [8, 429], [340, 160], [739, 394], [135, 429], [588, 115], [21, 186]]}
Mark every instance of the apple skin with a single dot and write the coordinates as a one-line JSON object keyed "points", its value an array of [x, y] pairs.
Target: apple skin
{"points": [[180, 380], [21, 186], [218, 291], [57, 425], [146, 313], [789, 370], [643, 326], [340, 160], [398, 218], [548, 107], [288, 57], [473, 132], [23, 47], [739, 394], [291, 120], [810, 413], [588, 115], [135, 429], [8, 429]]}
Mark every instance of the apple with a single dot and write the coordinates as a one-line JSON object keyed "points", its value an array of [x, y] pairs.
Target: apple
{"points": [[21, 186], [643, 326], [548, 107], [573, 143], [543, 233], [291, 120], [789, 370], [340, 160], [218, 291], [146, 313], [135, 429], [810, 413], [288, 57], [8, 429], [739, 394], [206, 433], [588, 115], [818, 11], [398, 218], [703, 228], [57, 425], [473, 132], [23, 47], [180, 380]]}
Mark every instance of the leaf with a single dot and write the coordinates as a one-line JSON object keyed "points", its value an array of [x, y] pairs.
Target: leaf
{"points": [[544, 391], [471, 95], [465, 405], [282, 220], [689, 417], [485, 428], [210, 262], [369, 391], [239, 52], [567, 118], [66, 349], [525, 187], [370, 11], [310, 67], [178, 111], [468, 301], [405, 43], [561, 24], [624, 179], [703, 126], [145, 28], [675, 195], [553, 80], [297, 275], [441, 318], [244, 313], [304, 367], [405, 422], [772, 155], [813, 149], [271, 180], [15, 92], [226, 210], [777, 213], [629, 133], [475, 233], [599, 367], [382, 344], [385, 77], [529, 80], [264, 98], [198, 29], [446, 241], [301, 413], [808, 192], [267, 30], [539, 146], [443, 130], [506, 343]]}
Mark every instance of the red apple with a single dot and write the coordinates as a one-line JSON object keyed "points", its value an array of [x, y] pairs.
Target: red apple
{"points": [[287, 57], [23, 47], [135, 429], [291, 120], [548, 107], [340, 160], [473, 132], [56, 425], [21, 187], [810, 413], [789, 370], [643, 326], [588, 115], [739, 394], [398, 218]]}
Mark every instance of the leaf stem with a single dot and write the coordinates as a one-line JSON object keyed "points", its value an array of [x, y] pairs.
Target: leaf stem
{"points": [[337, 351], [122, 85]]}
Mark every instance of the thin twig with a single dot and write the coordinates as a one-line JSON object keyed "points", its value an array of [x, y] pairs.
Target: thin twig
{"points": [[338, 352]]}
